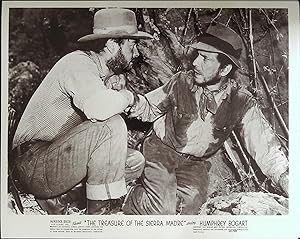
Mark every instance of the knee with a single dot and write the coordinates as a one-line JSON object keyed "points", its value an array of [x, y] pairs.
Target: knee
{"points": [[135, 160], [135, 164], [190, 202], [115, 126], [139, 202], [117, 122]]}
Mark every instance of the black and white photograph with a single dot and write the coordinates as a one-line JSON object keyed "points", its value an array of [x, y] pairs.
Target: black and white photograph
{"points": [[159, 118]]}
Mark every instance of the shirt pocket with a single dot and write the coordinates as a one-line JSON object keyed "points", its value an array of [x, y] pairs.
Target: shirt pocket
{"points": [[183, 119]]}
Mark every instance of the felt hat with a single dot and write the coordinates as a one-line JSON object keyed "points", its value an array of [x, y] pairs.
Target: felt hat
{"points": [[115, 23], [219, 38]]}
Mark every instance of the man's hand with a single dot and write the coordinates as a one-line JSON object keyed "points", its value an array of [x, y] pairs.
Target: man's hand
{"points": [[128, 95], [284, 182], [116, 82]]}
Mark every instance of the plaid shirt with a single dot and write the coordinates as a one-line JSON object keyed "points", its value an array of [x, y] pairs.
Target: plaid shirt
{"points": [[175, 110], [73, 91]]}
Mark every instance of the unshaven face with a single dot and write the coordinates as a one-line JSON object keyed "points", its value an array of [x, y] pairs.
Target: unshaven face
{"points": [[206, 68], [121, 61]]}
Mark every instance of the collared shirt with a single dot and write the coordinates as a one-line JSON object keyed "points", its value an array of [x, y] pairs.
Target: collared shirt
{"points": [[174, 109], [73, 91]]}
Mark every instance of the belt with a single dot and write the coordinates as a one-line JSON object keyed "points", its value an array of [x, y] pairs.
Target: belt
{"points": [[182, 155], [23, 148], [191, 157], [203, 160], [18, 152]]}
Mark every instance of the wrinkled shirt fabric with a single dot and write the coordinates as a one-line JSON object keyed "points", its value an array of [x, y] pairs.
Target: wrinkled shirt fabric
{"points": [[175, 110], [66, 139], [188, 128]]}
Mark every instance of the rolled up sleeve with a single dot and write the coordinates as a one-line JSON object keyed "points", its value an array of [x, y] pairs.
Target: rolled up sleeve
{"points": [[262, 144], [88, 92], [154, 104]]}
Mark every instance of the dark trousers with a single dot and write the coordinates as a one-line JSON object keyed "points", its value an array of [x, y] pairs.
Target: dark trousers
{"points": [[169, 182]]}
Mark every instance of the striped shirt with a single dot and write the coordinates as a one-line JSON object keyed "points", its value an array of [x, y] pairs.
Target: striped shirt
{"points": [[73, 91]]}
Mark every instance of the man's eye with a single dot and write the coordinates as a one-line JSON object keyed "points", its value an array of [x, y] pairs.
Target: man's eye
{"points": [[203, 56], [206, 58]]}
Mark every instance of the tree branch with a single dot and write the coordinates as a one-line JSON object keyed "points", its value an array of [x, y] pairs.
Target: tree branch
{"points": [[276, 111]]}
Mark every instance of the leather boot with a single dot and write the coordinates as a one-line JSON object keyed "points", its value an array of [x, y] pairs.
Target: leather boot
{"points": [[97, 207], [59, 205], [53, 206]]}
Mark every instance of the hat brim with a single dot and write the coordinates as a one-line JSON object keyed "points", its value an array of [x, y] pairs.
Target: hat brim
{"points": [[138, 35], [206, 47]]}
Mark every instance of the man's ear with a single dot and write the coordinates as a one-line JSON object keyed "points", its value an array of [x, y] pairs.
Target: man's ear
{"points": [[225, 70]]}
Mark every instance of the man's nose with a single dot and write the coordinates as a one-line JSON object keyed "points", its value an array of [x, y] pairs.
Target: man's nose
{"points": [[135, 52], [197, 61]]}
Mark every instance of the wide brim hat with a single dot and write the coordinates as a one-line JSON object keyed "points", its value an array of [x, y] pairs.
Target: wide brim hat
{"points": [[219, 38], [115, 23]]}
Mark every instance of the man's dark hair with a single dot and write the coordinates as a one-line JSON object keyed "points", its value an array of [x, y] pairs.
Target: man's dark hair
{"points": [[224, 61], [119, 40], [95, 45]]}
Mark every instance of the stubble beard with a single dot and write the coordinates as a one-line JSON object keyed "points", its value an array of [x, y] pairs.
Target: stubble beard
{"points": [[204, 82], [118, 64]]}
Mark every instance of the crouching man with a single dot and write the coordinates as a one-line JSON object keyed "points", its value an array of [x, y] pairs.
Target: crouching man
{"points": [[71, 129]]}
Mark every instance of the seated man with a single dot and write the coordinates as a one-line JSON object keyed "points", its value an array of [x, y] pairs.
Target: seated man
{"points": [[71, 129], [193, 114]]}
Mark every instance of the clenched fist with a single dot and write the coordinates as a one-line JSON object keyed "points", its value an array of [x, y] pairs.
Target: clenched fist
{"points": [[116, 82], [284, 182]]}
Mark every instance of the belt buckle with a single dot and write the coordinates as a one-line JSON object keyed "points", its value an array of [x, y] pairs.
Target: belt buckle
{"points": [[23, 148], [186, 156]]}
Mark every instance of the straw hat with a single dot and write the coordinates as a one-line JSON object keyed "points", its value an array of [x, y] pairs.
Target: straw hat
{"points": [[115, 23], [221, 39]]}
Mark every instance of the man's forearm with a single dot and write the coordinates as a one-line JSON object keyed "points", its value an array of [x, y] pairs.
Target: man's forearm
{"points": [[262, 144], [284, 182], [107, 104]]}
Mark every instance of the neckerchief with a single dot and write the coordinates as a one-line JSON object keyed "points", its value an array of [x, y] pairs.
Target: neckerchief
{"points": [[207, 103]]}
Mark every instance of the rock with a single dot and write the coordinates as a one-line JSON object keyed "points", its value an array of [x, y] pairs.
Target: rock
{"points": [[11, 205], [249, 203], [28, 201]]}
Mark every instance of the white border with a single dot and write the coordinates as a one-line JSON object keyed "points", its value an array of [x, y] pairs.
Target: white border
{"points": [[258, 226]]}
